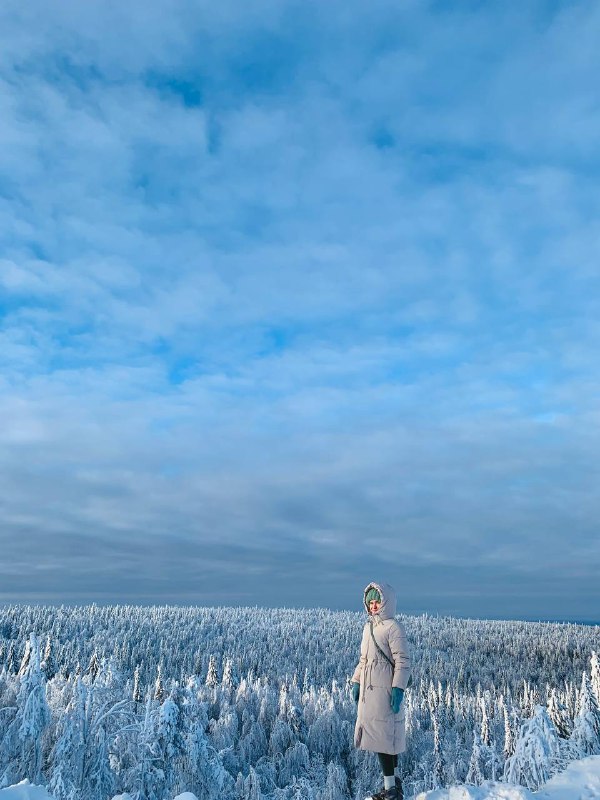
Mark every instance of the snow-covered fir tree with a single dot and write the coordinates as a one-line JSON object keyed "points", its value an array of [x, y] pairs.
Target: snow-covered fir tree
{"points": [[159, 689], [212, 678], [23, 739], [93, 667], [48, 664], [336, 785], [536, 751], [475, 775], [595, 676], [585, 736], [558, 714], [137, 695]]}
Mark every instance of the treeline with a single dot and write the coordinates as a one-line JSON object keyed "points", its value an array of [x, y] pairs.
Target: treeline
{"points": [[94, 702], [278, 643]]}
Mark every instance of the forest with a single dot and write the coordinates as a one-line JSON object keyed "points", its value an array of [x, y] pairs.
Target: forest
{"points": [[254, 703]]}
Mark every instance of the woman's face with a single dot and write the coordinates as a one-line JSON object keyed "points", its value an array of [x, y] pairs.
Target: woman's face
{"points": [[374, 606]]}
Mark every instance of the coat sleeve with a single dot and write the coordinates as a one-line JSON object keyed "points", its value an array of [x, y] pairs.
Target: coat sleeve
{"points": [[361, 662], [399, 649]]}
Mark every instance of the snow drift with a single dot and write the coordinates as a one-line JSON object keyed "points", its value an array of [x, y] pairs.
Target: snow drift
{"points": [[25, 791], [580, 781]]}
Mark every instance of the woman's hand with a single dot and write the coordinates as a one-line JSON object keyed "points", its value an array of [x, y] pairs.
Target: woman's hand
{"points": [[356, 691], [397, 696]]}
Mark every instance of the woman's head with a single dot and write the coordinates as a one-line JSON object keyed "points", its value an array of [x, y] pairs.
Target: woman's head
{"points": [[379, 599], [373, 600]]}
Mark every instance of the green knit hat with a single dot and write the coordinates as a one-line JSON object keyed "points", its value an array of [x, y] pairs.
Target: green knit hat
{"points": [[372, 594]]}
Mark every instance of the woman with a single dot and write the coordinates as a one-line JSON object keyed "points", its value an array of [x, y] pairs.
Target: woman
{"points": [[378, 685]]}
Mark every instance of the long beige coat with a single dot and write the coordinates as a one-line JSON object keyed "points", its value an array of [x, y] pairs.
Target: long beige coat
{"points": [[377, 727]]}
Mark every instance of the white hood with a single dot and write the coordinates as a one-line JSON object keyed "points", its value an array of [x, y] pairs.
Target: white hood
{"points": [[388, 600]]}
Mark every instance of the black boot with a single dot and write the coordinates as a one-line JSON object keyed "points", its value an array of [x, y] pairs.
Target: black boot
{"points": [[388, 794]]}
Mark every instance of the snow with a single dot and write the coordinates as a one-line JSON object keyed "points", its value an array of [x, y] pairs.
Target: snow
{"points": [[580, 781], [25, 791], [582, 776]]}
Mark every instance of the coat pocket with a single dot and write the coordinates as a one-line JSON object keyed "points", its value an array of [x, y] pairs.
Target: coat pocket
{"points": [[379, 702]]}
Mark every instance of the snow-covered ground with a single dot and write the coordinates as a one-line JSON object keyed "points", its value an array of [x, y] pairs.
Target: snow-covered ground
{"points": [[25, 791], [580, 781]]}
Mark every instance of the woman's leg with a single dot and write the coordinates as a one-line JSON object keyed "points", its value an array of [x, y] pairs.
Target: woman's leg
{"points": [[387, 764], [387, 767]]}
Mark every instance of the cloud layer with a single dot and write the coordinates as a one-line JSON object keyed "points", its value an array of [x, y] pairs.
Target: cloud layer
{"points": [[297, 295]]}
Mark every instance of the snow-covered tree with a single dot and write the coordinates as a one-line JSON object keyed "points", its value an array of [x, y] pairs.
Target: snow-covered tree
{"points": [[475, 774], [26, 656], [203, 771], [93, 667], [48, 663], [11, 658], [327, 735], [558, 714], [509, 740], [485, 723], [336, 786], [585, 737], [294, 764], [439, 762], [253, 744], [281, 737], [595, 676], [252, 786], [301, 789], [22, 743], [170, 739], [137, 695], [224, 730], [69, 751], [229, 679], [80, 757], [212, 679], [148, 777], [536, 750], [99, 777], [159, 689]]}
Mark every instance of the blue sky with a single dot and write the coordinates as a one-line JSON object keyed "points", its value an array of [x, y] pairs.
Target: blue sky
{"points": [[297, 295]]}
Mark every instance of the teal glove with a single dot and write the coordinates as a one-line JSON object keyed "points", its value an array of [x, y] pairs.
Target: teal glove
{"points": [[397, 697], [356, 691]]}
